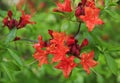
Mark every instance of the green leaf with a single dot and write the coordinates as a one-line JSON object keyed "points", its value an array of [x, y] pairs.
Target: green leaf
{"points": [[3, 13], [100, 79], [113, 14], [11, 35], [95, 38], [97, 54], [114, 49], [12, 66], [15, 56], [111, 64], [58, 13], [14, 9], [114, 3], [64, 26], [107, 2], [7, 71]]}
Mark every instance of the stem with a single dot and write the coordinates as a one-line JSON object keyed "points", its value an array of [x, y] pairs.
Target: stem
{"points": [[78, 29], [34, 41], [32, 62]]}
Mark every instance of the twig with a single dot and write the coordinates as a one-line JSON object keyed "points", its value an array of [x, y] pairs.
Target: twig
{"points": [[78, 29], [32, 62], [34, 41]]}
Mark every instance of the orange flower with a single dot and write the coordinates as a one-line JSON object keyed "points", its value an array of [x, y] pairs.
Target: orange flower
{"points": [[74, 47], [91, 17], [63, 48], [64, 7], [88, 13], [24, 20], [11, 23], [40, 54], [57, 46], [66, 65], [87, 61]]}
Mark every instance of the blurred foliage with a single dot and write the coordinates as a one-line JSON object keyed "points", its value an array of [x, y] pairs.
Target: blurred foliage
{"points": [[16, 61]]}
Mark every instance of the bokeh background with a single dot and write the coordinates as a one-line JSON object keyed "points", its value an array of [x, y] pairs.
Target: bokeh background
{"points": [[42, 13]]}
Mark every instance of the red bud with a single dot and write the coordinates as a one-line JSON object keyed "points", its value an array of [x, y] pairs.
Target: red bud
{"points": [[10, 14], [50, 32]]}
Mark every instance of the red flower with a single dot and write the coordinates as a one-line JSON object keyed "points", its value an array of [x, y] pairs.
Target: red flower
{"points": [[74, 47], [5, 21], [64, 7], [11, 23], [91, 4], [79, 11], [57, 46], [10, 14], [84, 43], [84, 2], [91, 17], [58, 38], [61, 45], [87, 11], [71, 40], [40, 54], [66, 65], [24, 20], [87, 61]]}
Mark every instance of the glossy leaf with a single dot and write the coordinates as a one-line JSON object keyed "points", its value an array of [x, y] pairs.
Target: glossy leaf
{"points": [[15, 57], [111, 64], [7, 71], [12, 66], [113, 14], [107, 2], [11, 35]]}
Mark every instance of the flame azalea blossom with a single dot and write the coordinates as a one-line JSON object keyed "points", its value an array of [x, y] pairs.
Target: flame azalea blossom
{"points": [[80, 9], [91, 18], [57, 46], [64, 7], [87, 61], [64, 49], [88, 13], [84, 43], [59, 52], [74, 47], [40, 54], [11, 23], [66, 65], [24, 20], [91, 4]]}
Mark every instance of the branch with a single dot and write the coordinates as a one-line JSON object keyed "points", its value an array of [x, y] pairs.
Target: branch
{"points": [[78, 29]]}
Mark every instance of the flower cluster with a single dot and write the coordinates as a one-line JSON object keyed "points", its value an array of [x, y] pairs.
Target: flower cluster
{"points": [[64, 49], [85, 11], [11, 23]]}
